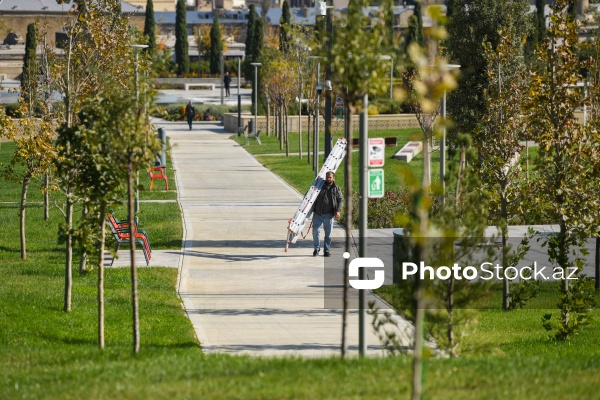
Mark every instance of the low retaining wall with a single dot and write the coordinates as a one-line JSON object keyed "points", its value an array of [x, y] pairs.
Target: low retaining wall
{"points": [[376, 122]]}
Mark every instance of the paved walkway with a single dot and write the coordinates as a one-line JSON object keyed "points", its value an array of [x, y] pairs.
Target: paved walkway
{"points": [[242, 292]]}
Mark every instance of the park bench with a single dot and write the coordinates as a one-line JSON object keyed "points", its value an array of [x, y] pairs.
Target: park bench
{"points": [[158, 173], [4, 46], [187, 86], [249, 135], [123, 235], [391, 141]]}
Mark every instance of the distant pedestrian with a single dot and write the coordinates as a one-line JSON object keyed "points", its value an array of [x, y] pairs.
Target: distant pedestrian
{"points": [[190, 113], [327, 207], [227, 82]]}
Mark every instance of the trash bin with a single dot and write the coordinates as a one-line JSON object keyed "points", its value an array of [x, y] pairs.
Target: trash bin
{"points": [[162, 135], [399, 252]]}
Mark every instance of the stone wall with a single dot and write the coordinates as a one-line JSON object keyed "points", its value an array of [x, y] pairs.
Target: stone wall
{"points": [[376, 122]]}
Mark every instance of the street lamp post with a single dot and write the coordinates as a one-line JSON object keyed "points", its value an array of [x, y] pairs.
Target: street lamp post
{"points": [[239, 97], [256, 65], [448, 67], [316, 137], [136, 49], [390, 58]]}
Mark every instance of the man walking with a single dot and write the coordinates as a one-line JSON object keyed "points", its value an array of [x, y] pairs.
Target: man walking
{"points": [[190, 113], [327, 207], [227, 82]]}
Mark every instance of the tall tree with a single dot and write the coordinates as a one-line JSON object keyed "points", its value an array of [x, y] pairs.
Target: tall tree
{"points": [[150, 27], [284, 27], [473, 22], [88, 60], [216, 46], [33, 155], [502, 130], [356, 72], [181, 39], [418, 13], [389, 22], [29, 77], [567, 166], [250, 42]]}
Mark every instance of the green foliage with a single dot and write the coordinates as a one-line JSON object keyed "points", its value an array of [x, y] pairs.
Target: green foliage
{"points": [[250, 43], [284, 28], [354, 57], [472, 23], [150, 27], [568, 159], [216, 46], [182, 58], [574, 307], [29, 77]]}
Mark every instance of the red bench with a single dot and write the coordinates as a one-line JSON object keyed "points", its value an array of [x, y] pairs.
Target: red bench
{"points": [[158, 173], [123, 235]]}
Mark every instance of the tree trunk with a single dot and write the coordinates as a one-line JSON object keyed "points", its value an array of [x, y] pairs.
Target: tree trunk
{"points": [[285, 130], [268, 119], [101, 276], [68, 194], [308, 140], [280, 126], [420, 304], [563, 259], [504, 218], [450, 306], [427, 161], [132, 233], [300, 130], [83, 258], [46, 197], [348, 205], [69, 252], [24, 188]]}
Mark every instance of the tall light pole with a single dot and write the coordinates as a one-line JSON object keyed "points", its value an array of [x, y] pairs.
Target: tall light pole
{"points": [[136, 49], [316, 138], [448, 67], [256, 65], [390, 58], [239, 97]]}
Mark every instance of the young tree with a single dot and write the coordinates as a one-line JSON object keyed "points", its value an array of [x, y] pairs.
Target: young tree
{"points": [[502, 130], [389, 21], [284, 27], [250, 43], [29, 77], [150, 27], [216, 46], [32, 158], [356, 71], [92, 53], [418, 13], [472, 22], [181, 41], [568, 161]]}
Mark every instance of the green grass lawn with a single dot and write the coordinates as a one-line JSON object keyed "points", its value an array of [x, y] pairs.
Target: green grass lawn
{"points": [[48, 354], [299, 173]]}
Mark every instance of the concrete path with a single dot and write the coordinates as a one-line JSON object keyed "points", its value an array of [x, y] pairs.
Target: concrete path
{"points": [[242, 292]]}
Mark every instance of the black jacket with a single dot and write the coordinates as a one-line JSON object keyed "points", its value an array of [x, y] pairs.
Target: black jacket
{"points": [[334, 200]]}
